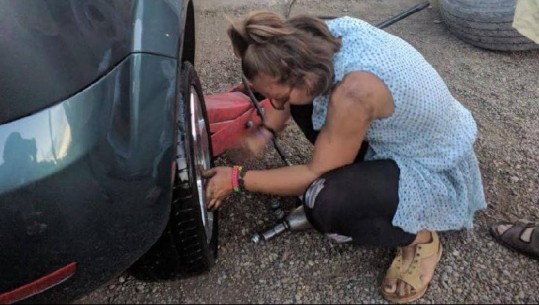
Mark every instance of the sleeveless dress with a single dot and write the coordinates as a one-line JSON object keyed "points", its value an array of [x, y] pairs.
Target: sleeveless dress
{"points": [[430, 135]]}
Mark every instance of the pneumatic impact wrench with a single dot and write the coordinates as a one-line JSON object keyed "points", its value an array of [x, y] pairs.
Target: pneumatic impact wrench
{"points": [[295, 221]]}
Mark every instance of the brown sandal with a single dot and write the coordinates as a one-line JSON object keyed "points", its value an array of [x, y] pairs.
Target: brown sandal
{"points": [[512, 237], [412, 276]]}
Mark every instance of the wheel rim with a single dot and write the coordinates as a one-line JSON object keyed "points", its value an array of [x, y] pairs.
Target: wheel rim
{"points": [[201, 158]]}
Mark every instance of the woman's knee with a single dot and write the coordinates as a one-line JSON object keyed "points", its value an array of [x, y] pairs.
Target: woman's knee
{"points": [[317, 207]]}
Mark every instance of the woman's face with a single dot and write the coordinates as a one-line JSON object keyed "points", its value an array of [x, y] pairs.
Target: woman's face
{"points": [[279, 94]]}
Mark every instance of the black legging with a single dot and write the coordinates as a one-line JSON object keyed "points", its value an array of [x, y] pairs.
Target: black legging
{"points": [[358, 200]]}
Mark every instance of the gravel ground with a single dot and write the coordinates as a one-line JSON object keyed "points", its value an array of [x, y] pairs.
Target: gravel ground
{"points": [[501, 89]]}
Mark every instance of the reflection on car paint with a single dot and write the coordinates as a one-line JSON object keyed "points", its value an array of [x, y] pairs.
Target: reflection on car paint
{"points": [[33, 146]]}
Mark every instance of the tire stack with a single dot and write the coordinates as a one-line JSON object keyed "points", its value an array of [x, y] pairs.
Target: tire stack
{"points": [[484, 23]]}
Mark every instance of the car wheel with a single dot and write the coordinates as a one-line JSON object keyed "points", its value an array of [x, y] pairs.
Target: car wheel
{"points": [[189, 242], [193, 228], [485, 23]]}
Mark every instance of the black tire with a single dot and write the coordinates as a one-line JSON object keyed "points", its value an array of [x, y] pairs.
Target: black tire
{"points": [[185, 248], [195, 242], [485, 23]]}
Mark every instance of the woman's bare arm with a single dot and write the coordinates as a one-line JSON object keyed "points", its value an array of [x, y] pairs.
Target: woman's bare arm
{"points": [[359, 99]]}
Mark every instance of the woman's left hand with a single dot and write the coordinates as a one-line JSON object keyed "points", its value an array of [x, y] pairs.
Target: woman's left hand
{"points": [[219, 186]]}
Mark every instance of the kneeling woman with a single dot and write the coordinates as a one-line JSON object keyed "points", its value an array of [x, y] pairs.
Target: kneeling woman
{"points": [[393, 158]]}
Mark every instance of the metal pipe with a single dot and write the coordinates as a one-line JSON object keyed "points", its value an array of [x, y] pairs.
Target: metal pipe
{"points": [[276, 205], [403, 14], [260, 113]]}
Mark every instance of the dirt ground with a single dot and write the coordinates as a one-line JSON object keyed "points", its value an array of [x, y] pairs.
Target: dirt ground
{"points": [[502, 91]]}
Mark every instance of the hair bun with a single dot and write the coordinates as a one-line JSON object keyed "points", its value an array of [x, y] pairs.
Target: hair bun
{"points": [[258, 27]]}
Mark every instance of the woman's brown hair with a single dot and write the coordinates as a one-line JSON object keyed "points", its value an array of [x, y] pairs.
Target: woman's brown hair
{"points": [[297, 51]]}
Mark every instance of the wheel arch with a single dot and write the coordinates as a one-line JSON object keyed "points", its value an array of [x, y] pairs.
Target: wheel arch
{"points": [[188, 43]]}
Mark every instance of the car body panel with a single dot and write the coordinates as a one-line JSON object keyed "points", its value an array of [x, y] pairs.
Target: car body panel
{"points": [[50, 50], [89, 180]]}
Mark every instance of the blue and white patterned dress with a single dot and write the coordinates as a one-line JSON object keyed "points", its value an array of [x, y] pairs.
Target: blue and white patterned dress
{"points": [[430, 134]]}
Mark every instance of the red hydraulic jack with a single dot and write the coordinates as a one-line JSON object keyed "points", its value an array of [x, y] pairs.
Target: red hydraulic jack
{"points": [[232, 112]]}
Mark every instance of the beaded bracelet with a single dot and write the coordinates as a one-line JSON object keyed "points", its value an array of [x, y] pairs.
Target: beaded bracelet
{"points": [[236, 170]]}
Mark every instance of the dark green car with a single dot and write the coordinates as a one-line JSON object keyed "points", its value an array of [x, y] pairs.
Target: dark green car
{"points": [[103, 133]]}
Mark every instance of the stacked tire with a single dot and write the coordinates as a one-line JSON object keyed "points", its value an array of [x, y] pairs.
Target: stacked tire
{"points": [[485, 23]]}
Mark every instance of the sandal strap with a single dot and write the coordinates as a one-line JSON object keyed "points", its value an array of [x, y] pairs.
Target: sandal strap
{"points": [[524, 224], [394, 270], [534, 243], [427, 250], [534, 239], [412, 277], [513, 235]]}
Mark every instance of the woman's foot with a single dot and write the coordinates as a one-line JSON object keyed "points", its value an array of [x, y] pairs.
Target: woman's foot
{"points": [[411, 272]]}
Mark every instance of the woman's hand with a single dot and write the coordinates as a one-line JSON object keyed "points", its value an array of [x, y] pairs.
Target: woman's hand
{"points": [[251, 145], [219, 185]]}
